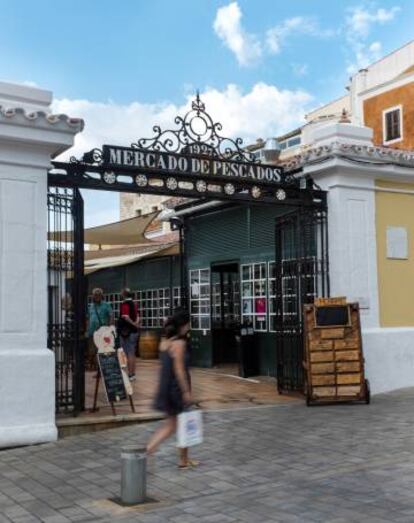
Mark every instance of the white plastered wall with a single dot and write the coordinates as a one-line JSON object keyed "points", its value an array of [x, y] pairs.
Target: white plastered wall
{"points": [[27, 368]]}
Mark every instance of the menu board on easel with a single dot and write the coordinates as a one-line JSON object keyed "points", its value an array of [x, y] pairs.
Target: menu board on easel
{"points": [[112, 376], [113, 366]]}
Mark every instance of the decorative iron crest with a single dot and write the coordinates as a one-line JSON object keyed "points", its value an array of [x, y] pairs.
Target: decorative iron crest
{"points": [[196, 135], [93, 157]]}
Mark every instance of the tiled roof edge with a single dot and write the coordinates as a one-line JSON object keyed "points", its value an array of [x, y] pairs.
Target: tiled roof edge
{"points": [[365, 153], [52, 119]]}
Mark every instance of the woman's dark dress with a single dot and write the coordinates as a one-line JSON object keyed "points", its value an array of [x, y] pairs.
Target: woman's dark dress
{"points": [[169, 397]]}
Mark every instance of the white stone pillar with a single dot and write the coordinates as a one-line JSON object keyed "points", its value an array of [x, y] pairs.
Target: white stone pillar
{"points": [[351, 219], [29, 138], [348, 172]]}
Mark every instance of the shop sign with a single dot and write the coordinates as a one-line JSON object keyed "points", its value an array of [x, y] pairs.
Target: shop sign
{"points": [[169, 163], [192, 160]]}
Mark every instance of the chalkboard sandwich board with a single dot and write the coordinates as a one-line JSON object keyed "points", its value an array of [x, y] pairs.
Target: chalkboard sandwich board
{"points": [[112, 376], [333, 316]]}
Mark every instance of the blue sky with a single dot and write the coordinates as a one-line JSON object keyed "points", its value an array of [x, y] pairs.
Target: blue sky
{"points": [[260, 64]]}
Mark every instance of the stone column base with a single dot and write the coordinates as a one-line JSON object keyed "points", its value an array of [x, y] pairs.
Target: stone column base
{"points": [[20, 435], [27, 396], [389, 358]]}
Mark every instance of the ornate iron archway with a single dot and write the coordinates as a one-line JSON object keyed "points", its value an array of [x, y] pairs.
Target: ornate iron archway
{"points": [[193, 161]]}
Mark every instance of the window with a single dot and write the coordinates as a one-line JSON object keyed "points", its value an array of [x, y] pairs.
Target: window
{"points": [[138, 212], [200, 299], [392, 124], [254, 295], [294, 141], [154, 306], [291, 142], [272, 296], [164, 305], [176, 297]]}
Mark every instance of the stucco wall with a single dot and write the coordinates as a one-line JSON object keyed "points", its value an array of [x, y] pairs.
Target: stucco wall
{"points": [[374, 106]]}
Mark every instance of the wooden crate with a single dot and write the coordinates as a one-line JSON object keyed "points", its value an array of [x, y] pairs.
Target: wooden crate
{"points": [[334, 360]]}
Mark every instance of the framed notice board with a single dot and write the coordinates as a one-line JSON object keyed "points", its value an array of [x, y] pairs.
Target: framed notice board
{"points": [[329, 316], [333, 357]]}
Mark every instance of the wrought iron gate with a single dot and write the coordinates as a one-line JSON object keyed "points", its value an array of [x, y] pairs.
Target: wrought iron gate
{"points": [[302, 273], [66, 308]]}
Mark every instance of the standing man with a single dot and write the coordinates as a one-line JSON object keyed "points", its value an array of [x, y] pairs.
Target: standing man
{"points": [[100, 314], [128, 329]]}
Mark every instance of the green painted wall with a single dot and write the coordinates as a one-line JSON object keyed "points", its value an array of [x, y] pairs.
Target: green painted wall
{"points": [[153, 274], [242, 234], [110, 280], [146, 274]]}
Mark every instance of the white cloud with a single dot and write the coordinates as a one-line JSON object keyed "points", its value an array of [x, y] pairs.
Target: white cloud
{"points": [[276, 36], [228, 27], [360, 20], [263, 111], [359, 24], [249, 48], [365, 54]]}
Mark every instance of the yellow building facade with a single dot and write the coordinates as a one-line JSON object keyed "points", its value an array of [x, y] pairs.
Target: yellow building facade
{"points": [[394, 204]]}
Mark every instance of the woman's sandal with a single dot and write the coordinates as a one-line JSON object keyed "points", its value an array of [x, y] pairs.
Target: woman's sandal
{"points": [[191, 463]]}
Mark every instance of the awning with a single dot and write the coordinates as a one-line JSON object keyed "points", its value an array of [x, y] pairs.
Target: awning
{"points": [[96, 264], [125, 232]]}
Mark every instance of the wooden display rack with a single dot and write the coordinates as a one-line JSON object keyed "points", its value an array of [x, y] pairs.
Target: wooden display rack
{"points": [[334, 362]]}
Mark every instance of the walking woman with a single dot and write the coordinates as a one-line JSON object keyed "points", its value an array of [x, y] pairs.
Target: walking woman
{"points": [[174, 392]]}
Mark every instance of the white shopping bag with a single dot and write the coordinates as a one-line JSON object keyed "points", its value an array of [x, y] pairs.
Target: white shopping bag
{"points": [[189, 429]]}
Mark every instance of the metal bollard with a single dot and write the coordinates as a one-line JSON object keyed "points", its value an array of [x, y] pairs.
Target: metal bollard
{"points": [[134, 475]]}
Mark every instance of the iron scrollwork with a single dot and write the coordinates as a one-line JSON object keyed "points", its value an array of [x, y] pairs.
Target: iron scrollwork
{"points": [[197, 134], [92, 157]]}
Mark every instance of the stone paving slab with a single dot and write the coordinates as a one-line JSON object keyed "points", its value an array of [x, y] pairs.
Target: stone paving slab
{"points": [[285, 463]]}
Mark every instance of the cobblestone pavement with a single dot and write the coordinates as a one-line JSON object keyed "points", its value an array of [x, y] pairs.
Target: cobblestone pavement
{"points": [[286, 463]]}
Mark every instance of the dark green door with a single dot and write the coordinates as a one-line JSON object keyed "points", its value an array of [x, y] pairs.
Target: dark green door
{"points": [[225, 312]]}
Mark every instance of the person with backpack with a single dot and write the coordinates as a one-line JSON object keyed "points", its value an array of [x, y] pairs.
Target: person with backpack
{"points": [[128, 329]]}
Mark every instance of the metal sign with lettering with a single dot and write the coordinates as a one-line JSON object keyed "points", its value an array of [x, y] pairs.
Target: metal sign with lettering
{"points": [[194, 160], [175, 164]]}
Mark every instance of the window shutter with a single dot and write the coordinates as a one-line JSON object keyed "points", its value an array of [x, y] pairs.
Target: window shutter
{"points": [[392, 125]]}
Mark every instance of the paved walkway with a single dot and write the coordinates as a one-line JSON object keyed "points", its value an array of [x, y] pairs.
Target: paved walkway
{"points": [[282, 463], [213, 388]]}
